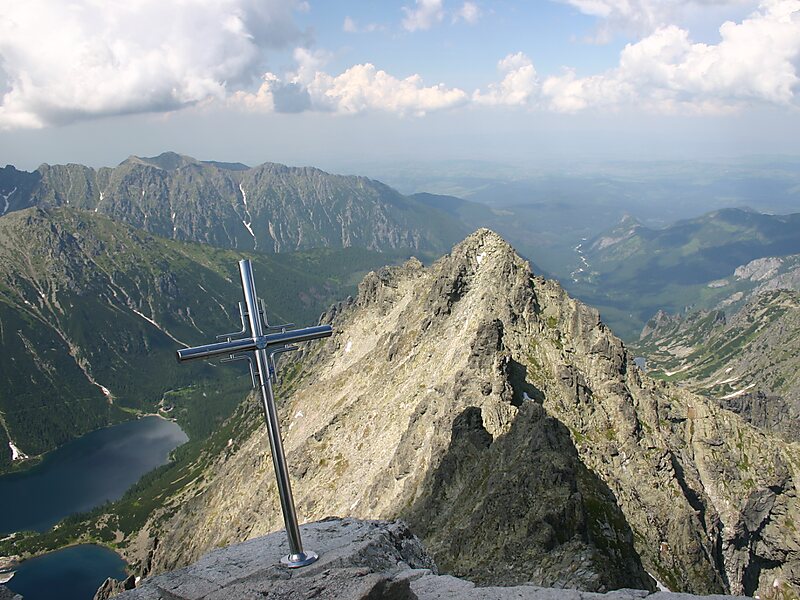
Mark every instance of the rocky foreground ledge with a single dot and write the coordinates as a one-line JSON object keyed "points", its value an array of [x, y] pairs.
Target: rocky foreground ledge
{"points": [[359, 560]]}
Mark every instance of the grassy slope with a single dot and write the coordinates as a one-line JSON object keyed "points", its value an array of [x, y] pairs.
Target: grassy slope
{"points": [[71, 285]]}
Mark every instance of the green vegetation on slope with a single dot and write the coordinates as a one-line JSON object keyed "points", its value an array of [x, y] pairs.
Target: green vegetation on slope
{"points": [[633, 271], [87, 303], [746, 361]]}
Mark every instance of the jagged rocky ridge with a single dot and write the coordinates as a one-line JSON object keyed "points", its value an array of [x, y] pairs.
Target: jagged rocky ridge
{"points": [[746, 361], [504, 420], [269, 208]]}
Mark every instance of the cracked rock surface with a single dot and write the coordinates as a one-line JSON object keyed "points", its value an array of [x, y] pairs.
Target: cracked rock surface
{"points": [[359, 560]]}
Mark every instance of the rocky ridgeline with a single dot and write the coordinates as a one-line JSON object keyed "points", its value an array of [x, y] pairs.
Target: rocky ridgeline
{"points": [[772, 273], [270, 208], [746, 361], [505, 422], [359, 560]]}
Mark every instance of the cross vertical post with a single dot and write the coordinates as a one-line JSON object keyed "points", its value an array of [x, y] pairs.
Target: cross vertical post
{"points": [[265, 347]]}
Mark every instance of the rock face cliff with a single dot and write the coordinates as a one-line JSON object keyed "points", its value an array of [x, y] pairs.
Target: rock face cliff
{"points": [[508, 425]]}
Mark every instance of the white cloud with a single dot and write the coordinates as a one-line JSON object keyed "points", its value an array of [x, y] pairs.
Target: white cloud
{"points": [[361, 88], [519, 84], [644, 14], [569, 93], [351, 26], [66, 61], [69, 61], [469, 13], [364, 88], [424, 15], [755, 62], [262, 100]]}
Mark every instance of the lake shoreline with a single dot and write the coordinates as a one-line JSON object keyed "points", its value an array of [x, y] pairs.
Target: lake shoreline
{"points": [[20, 559], [77, 479], [70, 487], [26, 464], [77, 571]]}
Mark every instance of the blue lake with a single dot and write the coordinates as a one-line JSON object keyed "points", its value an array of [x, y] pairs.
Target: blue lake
{"points": [[73, 573], [85, 473]]}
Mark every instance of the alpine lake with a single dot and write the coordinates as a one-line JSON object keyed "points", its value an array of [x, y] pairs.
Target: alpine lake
{"points": [[84, 473]]}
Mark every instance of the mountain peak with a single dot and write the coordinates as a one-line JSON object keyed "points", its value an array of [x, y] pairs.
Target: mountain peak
{"points": [[168, 161], [482, 243], [482, 237]]}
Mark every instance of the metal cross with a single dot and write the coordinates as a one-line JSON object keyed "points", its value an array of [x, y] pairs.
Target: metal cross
{"points": [[265, 347]]}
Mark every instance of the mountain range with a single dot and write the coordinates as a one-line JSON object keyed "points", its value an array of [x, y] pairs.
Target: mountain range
{"points": [[269, 208], [473, 398], [631, 271]]}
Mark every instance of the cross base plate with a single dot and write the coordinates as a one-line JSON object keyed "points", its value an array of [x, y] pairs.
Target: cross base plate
{"points": [[303, 559]]}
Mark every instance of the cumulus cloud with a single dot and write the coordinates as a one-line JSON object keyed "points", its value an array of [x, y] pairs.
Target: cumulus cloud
{"points": [[424, 15], [361, 88], [641, 14], [518, 87], [66, 61], [755, 62], [364, 88]]}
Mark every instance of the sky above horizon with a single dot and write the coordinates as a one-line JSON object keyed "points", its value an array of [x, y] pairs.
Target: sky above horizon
{"points": [[334, 84]]}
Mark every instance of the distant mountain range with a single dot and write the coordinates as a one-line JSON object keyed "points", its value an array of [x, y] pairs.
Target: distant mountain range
{"points": [[269, 208], [631, 271]]}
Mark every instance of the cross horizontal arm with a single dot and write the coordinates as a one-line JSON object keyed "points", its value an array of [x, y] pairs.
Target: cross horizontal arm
{"points": [[212, 350], [296, 336], [262, 342]]}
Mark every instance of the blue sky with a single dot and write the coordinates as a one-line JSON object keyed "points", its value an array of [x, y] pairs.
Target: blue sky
{"points": [[336, 83], [459, 53]]}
